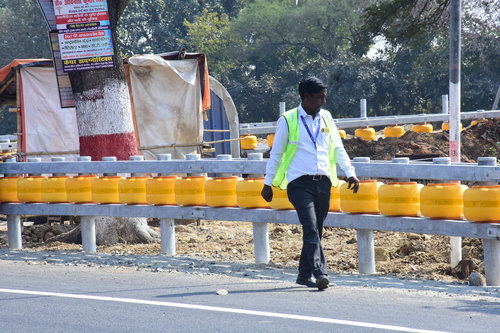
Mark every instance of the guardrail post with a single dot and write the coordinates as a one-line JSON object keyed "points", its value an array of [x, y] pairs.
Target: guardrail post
{"points": [[224, 157], [167, 234], [15, 239], [441, 160], [366, 251], [87, 226], [362, 106], [260, 229], [283, 108], [492, 161], [14, 232], [167, 226], [444, 100], [455, 242], [366, 243], [491, 247], [401, 160], [491, 251], [361, 159]]}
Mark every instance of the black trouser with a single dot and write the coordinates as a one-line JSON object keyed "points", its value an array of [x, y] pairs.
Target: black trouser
{"points": [[311, 199]]}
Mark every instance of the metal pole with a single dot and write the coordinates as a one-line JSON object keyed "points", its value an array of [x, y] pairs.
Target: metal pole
{"points": [[491, 249], [444, 99], [497, 99], [366, 251], [282, 108], [14, 231], [455, 44], [167, 234], [88, 234], [261, 242], [362, 104], [260, 229]]}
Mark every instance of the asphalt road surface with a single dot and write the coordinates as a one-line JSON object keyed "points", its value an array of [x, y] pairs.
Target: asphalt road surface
{"points": [[54, 298]]}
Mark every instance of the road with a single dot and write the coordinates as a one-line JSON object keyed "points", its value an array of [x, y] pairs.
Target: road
{"points": [[67, 298]]}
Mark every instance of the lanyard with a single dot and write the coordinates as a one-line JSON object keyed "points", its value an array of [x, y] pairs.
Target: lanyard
{"points": [[309, 131]]}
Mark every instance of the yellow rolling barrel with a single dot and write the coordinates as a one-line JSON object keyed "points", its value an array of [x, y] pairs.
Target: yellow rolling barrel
{"points": [[423, 128], [248, 193], [399, 199], [29, 189], [280, 199], [8, 188], [54, 189], [190, 191], [394, 131], [79, 188], [442, 201], [105, 188], [363, 202], [482, 203], [221, 192], [161, 190], [365, 133], [249, 142], [335, 197]]}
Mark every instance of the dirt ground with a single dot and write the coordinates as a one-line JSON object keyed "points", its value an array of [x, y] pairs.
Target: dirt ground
{"points": [[402, 254]]}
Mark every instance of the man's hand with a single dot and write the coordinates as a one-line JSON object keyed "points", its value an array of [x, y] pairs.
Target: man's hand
{"points": [[353, 184], [267, 193]]}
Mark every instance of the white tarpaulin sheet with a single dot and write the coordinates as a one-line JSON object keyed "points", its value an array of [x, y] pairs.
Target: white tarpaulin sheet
{"points": [[46, 127], [168, 105]]}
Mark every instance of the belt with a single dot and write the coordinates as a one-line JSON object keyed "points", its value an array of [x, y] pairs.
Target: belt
{"points": [[315, 177]]}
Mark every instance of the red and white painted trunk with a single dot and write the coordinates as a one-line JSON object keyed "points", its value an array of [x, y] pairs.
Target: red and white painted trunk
{"points": [[105, 124]]}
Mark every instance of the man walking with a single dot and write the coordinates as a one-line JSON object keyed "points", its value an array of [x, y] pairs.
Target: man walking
{"points": [[303, 160]]}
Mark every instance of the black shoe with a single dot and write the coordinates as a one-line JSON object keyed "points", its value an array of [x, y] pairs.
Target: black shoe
{"points": [[322, 282], [311, 282]]}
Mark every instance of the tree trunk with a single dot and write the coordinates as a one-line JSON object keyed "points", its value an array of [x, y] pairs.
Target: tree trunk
{"points": [[111, 230], [106, 128], [103, 110]]}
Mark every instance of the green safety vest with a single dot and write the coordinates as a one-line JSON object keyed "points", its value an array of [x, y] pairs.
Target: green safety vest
{"points": [[292, 120]]}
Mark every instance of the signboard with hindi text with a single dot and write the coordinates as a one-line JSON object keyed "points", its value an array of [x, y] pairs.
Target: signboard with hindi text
{"points": [[84, 34], [65, 92]]}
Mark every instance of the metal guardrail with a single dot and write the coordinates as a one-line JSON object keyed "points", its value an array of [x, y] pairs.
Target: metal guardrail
{"points": [[270, 127], [365, 224], [364, 168]]}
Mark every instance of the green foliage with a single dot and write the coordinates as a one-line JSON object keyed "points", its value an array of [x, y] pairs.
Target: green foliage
{"points": [[209, 34], [158, 26], [24, 32], [406, 22], [261, 49], [283, 43]]}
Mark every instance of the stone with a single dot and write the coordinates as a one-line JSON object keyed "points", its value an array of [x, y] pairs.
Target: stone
{"points": [[381, 254], [476, 279]]}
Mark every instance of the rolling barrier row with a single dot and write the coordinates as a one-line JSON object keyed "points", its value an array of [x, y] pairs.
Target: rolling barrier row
{"points": [[270, 127], [401, 170]]}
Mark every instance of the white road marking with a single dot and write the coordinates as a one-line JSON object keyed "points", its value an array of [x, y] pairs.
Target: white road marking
{"points": [[221, 309]]}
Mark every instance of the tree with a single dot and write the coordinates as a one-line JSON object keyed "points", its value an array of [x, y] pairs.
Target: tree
{"points": [[209, 34], [105, 127], [283, 43], [23, 36], [418, 35], [406, 21], [158, 26]]}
